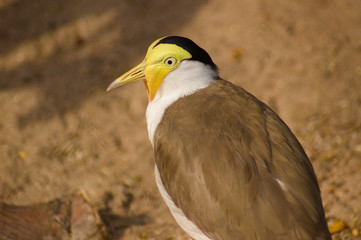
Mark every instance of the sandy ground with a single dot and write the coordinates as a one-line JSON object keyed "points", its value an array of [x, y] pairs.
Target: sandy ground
{"points": [[60, 130]]}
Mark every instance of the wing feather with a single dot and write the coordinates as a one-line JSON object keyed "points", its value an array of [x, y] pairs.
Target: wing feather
{"points": [[235, 169]]}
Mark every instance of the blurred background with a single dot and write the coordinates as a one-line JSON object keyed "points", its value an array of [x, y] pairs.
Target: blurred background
{"points": [[61, 131]]}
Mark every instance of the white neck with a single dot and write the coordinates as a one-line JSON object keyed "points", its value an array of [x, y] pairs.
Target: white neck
{"points": [[187, 78]]}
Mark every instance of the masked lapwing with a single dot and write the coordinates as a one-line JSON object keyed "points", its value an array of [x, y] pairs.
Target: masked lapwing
{"points": [[226, 165]]}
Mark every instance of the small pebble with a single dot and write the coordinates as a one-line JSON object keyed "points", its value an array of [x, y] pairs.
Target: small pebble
{"points": [[22, 155], [237, 53], [355, 232], [338, 226]]}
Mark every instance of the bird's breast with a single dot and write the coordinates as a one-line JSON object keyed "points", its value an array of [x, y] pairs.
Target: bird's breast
{"points": [[189, 77]]}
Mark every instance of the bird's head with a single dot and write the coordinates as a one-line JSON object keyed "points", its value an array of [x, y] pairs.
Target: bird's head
{"points": [[163, 56]]}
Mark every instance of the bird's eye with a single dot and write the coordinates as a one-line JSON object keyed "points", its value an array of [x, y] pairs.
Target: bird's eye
{"points": [[170, 62]]}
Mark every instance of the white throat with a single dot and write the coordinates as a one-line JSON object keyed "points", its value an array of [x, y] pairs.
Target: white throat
{"points": [[187, 78]]}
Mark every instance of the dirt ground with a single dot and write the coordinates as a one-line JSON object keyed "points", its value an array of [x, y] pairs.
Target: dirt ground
{"points": [[61, 131]]}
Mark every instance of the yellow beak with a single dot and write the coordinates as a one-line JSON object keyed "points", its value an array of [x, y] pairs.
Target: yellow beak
{"points": [[152, 81], [134, 74]]}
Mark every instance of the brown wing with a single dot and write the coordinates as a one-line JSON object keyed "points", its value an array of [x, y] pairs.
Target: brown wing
{"points": [[221, 152]]}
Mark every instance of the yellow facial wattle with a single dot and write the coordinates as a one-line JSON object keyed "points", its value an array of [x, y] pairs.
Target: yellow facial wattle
{"points": [[159, 61]]}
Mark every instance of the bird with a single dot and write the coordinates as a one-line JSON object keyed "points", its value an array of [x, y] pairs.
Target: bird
{"points": [[226, 165]]}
